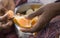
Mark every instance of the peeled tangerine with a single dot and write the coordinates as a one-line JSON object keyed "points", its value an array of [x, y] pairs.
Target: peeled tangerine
{"points": [[23, 22], [34, 20]]}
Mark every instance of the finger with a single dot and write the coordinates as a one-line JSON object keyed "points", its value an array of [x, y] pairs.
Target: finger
{"points": [[23, 30], [3, 26]]}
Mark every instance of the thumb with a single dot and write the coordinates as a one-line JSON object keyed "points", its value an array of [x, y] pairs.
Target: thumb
{"points": [[24, 30]]}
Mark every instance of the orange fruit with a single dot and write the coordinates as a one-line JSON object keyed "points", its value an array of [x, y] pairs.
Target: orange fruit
{"points": [[22, 22], [34, 20]]}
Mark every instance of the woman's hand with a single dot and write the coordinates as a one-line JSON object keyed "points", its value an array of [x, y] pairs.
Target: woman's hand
{"points": [[8, 15], [27, 30], [27, 17], [7, 25], [4, 17]]}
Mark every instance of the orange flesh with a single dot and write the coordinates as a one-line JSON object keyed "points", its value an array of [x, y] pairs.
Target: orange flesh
{"points": [[25, 23], [22, 22]]}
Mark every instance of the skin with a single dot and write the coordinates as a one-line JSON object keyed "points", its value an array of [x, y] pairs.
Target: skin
{"points": [[6, 5], [45, 13]]}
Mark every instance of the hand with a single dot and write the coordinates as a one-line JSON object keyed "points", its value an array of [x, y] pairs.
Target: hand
{"points": [[27, 17], [6, 25], [10, 14], [3, 18], [2, 26], [26, 30]]}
